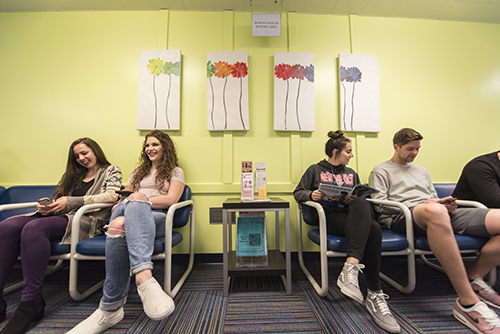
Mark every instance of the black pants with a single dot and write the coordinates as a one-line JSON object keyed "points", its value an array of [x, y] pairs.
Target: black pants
{"points": [[363, 234]]}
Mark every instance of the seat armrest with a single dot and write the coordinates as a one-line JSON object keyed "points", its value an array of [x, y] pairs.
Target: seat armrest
{"points": [[473, 204], [13, 206], [75, 225], [321, 216], [408, 217], [175, 206], [315, 205]]}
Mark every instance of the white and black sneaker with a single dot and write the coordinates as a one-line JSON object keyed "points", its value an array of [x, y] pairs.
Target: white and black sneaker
{"points": [[377, 306]]}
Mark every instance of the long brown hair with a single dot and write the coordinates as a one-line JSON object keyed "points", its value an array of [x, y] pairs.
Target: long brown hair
{"points": [[166, 167], [75, 173]]}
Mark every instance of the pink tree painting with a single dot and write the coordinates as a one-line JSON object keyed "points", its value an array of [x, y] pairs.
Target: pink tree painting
{"points": [[227, 91], [293, 91]]}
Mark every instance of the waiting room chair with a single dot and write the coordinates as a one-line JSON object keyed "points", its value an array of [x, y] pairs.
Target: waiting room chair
{"points": [[393, 244], [19, 200], [178, 215], [466, 244]]}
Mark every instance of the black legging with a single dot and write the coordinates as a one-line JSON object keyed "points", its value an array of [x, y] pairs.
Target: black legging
{"points": [[364, 237]]}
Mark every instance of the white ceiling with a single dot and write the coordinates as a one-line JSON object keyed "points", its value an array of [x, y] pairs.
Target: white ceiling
{"points": [[487, 11]]}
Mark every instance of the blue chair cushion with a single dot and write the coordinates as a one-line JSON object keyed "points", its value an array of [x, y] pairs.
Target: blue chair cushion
{"points": [[56, 248], [97, 245], [92, 246], [391, 241], [464, 242]]}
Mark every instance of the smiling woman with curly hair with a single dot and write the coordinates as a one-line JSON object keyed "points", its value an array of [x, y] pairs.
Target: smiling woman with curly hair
{"points": [[166, 166]]}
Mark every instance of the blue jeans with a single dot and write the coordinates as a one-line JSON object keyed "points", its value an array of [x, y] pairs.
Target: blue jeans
{"points": [[130, 253]]}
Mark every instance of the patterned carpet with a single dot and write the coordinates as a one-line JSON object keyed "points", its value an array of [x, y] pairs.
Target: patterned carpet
{"points": [[254, 305]]}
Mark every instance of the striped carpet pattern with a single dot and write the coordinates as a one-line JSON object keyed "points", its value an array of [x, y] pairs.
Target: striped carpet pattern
{"points": [[273, 312], [255, 304]]}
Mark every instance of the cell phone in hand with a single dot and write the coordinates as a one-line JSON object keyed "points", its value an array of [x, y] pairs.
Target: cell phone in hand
{"points": [[44, 201], [124, 193], [451, 200]]}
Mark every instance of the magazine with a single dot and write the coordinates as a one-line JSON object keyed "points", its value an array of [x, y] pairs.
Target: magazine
{"points": [[331, 190]]}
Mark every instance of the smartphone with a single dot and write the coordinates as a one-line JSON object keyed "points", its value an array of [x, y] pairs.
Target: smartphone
{"points": [[123, 192], [44, 201], [451, 200]]}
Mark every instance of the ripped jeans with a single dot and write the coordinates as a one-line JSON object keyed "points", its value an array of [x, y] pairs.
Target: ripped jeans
{"points": [[130, 253]]}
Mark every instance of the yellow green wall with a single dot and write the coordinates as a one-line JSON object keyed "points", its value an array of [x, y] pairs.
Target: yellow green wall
{"points": [[65, 75]]}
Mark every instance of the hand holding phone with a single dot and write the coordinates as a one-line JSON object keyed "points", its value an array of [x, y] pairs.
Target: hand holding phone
{"points": [[44, 201], [451, 200]]}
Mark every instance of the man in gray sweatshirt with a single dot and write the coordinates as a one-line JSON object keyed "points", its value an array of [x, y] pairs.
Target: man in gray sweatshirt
{"points": [[402, 181]]}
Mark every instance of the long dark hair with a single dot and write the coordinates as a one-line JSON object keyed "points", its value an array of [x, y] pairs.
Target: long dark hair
{"points": [[166, 167], [75, 173], [337, 141]]}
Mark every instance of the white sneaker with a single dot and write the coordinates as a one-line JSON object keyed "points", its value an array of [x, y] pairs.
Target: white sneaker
{"points": [[348, 281], [156, 303], [98, 322], [377, 306]]}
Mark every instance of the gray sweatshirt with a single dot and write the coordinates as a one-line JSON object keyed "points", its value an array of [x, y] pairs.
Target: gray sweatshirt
{"points": [[410, 185]]}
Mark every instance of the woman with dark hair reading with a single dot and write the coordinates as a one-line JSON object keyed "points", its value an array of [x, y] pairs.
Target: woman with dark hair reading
{"points": [[89, 178], [350, 216], [137, 220]]}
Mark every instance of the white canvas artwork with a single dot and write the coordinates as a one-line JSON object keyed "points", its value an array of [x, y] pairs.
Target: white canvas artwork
{"points": [[227, 90], [158, 103], [293, 91], [359, 93]]}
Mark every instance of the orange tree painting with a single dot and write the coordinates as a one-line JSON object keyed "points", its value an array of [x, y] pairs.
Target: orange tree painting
{"points": [[226, 71], [223, 70], [239, 70], [210, 74]]}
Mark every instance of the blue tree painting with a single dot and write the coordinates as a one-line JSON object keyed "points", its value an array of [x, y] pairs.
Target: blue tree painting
{"points": [[359, 93]]}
